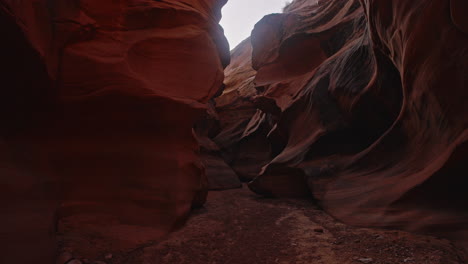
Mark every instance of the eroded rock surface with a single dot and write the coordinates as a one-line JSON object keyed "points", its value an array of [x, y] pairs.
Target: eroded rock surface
{"points": [[99, 102], [360, 105]]}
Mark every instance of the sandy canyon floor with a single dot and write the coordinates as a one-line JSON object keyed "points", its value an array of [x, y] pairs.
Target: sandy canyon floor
{"points": [[239, 227]]}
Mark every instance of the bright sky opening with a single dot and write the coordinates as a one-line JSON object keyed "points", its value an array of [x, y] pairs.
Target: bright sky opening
{"points": [[240, 17]]}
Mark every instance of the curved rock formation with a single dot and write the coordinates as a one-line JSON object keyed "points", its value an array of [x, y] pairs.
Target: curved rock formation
{"points": [[367, 99], [245, 150], [107, 106], [99, 102]]}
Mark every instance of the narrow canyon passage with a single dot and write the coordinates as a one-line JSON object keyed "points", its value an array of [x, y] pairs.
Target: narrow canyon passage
{"points": [[336, 131]]}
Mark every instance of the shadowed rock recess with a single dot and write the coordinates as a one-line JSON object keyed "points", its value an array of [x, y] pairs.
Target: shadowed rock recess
{"points": [[115, 121]]}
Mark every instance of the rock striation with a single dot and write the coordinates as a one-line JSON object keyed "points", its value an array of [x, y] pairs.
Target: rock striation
{"points": [[99, 100], [359, 104], [114, 113]]}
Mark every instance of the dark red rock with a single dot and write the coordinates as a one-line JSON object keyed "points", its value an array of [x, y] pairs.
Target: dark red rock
{"points": [[360, 104], [98, 106], [367, 102], [220, 176], [242, 127]]}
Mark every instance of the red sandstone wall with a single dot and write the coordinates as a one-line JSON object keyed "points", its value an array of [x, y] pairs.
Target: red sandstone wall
{"points": [[360, 104], [99, 102], [365, 105]]}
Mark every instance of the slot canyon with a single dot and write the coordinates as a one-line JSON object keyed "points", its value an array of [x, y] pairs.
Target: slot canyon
{"points": [[337, 133]]}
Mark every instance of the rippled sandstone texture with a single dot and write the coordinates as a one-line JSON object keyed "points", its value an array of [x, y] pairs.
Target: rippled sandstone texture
{"points": [[99, 100], [360, 104]]}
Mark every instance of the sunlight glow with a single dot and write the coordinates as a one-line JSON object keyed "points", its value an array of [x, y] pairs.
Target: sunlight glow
{"points": [[240, 17]]}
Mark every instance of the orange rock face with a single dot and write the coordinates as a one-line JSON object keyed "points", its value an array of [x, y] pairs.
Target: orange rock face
{"points": [[366, 109], [108, 107], [99, 102]]}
